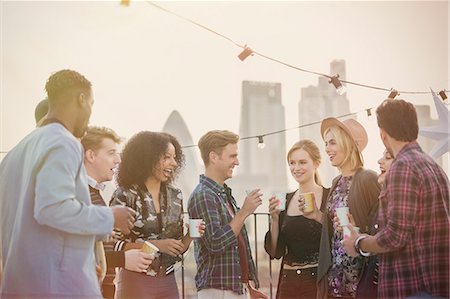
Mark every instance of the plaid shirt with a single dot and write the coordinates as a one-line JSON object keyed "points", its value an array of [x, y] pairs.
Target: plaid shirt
{"points": [[216, 253], [414, 227]]}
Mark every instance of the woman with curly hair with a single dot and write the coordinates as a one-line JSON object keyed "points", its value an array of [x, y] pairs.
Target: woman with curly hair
{"points": [[150, 162]]}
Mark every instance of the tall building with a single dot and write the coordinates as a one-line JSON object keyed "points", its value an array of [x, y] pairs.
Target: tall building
{"points": [[189, 175], [261, 112], [316, 103]]}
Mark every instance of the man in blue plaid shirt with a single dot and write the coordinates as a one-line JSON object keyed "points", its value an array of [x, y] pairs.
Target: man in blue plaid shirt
{"points": [[225, 268]]}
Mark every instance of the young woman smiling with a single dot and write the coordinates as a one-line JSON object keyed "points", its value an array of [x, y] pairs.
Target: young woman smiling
{"points": [[294, 234], [355, 188]]}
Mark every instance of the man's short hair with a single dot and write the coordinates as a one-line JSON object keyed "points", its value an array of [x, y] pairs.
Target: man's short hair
{"points": [[215, 141], [94, 136], [399, 119], [41, 110], [64, 82]]}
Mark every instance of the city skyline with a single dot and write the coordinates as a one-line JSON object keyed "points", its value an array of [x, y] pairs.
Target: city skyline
{"points": [[145, 63]]}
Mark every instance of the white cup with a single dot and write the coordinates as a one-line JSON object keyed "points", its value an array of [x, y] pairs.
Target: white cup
{"points": [[343, 219], [194, 228], [281, 197]]}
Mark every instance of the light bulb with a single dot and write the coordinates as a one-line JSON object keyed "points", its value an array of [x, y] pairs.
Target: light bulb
{"points": [[341, 90], [261, 143]]}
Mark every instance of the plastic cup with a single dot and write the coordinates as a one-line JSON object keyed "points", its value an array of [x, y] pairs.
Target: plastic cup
{"points": [[281, 197], [309, 201], [194, 228]]}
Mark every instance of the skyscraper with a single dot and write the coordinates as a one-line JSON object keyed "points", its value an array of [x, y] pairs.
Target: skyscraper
{"points": [[189, 175], [317, 103], [261, 112]]}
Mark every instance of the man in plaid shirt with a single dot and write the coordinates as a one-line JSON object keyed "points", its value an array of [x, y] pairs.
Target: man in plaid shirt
{"points": [[413, 240], [225, 268]]}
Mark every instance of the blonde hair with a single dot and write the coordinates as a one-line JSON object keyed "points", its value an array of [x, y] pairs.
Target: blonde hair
{"points": [[215, 141], [348, 146], [313, 151], [94, 137]]}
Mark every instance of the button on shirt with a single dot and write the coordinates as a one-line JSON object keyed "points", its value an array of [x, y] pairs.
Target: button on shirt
{"points": [[217, 253], [414, 227]]}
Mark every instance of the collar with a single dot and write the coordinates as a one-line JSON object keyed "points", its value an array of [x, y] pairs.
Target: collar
{"points": [[93, 183], [408, 147], [214, 186]]}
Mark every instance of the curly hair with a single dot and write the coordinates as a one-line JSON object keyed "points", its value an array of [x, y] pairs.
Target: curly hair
{"points": [[64, 81], [142, 153]]}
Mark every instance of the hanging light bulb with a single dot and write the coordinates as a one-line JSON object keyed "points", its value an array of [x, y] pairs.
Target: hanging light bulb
{"points": [[125, 2], [245, 53], [340, 89], [261, 143], [393, 94]]}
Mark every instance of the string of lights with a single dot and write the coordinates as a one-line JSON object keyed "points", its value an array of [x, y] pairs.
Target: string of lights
{"points": [[260, 137], [337, 83], [247, 51]]}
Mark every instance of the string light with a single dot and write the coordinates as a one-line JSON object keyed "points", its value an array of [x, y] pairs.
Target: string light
{"points": [[261, 143], [253, 52], [393, 94], [244, 54], [340, 89]]}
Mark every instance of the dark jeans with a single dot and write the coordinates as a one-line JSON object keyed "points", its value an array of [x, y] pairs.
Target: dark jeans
{"points": [[298, 283]]}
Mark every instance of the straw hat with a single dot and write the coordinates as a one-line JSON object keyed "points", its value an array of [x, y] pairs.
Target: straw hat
{"points": [[353, 128]]}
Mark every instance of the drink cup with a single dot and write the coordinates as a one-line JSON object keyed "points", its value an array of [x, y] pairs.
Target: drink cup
{"points": [[150, 248], [309, 201], [281, 198], [343, 219], [194, 228]]}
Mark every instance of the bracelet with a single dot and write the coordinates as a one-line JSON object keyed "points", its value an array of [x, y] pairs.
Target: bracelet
{"points": [[358, 247]]}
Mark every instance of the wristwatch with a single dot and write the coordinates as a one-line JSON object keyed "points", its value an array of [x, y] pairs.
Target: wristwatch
{"points": [[358, 246]]}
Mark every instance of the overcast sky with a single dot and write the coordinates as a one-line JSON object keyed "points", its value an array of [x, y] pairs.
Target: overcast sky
{"points": [[144, 62]]}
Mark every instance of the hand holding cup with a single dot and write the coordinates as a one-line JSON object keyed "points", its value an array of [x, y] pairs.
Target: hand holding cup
{"points": [[252, 201], [196, 228]]}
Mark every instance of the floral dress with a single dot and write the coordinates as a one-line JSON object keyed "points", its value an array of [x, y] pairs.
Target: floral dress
{"points": [[344, 274], [148, 224]]}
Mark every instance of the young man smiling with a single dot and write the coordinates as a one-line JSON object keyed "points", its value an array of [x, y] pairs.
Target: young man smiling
{"points": [[101, 158], [225, 268]]}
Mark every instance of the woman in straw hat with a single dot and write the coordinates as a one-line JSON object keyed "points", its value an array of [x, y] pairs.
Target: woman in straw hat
{"points": [[356, 188], [295, 232]]}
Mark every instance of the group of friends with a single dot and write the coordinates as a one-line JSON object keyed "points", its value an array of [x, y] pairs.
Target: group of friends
{"points": [[59, 238]]}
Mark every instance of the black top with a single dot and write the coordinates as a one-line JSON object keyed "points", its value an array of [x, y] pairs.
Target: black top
{"points": [[299, 237]]}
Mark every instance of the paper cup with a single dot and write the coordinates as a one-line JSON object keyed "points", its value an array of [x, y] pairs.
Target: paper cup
{"points": [[309, 200], [343, 219], [194, 228], [281, 197], [342, 215], [150, 248]]}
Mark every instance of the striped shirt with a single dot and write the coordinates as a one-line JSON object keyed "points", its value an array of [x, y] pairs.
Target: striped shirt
{"points": [[217, 252], [414, 226]]}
